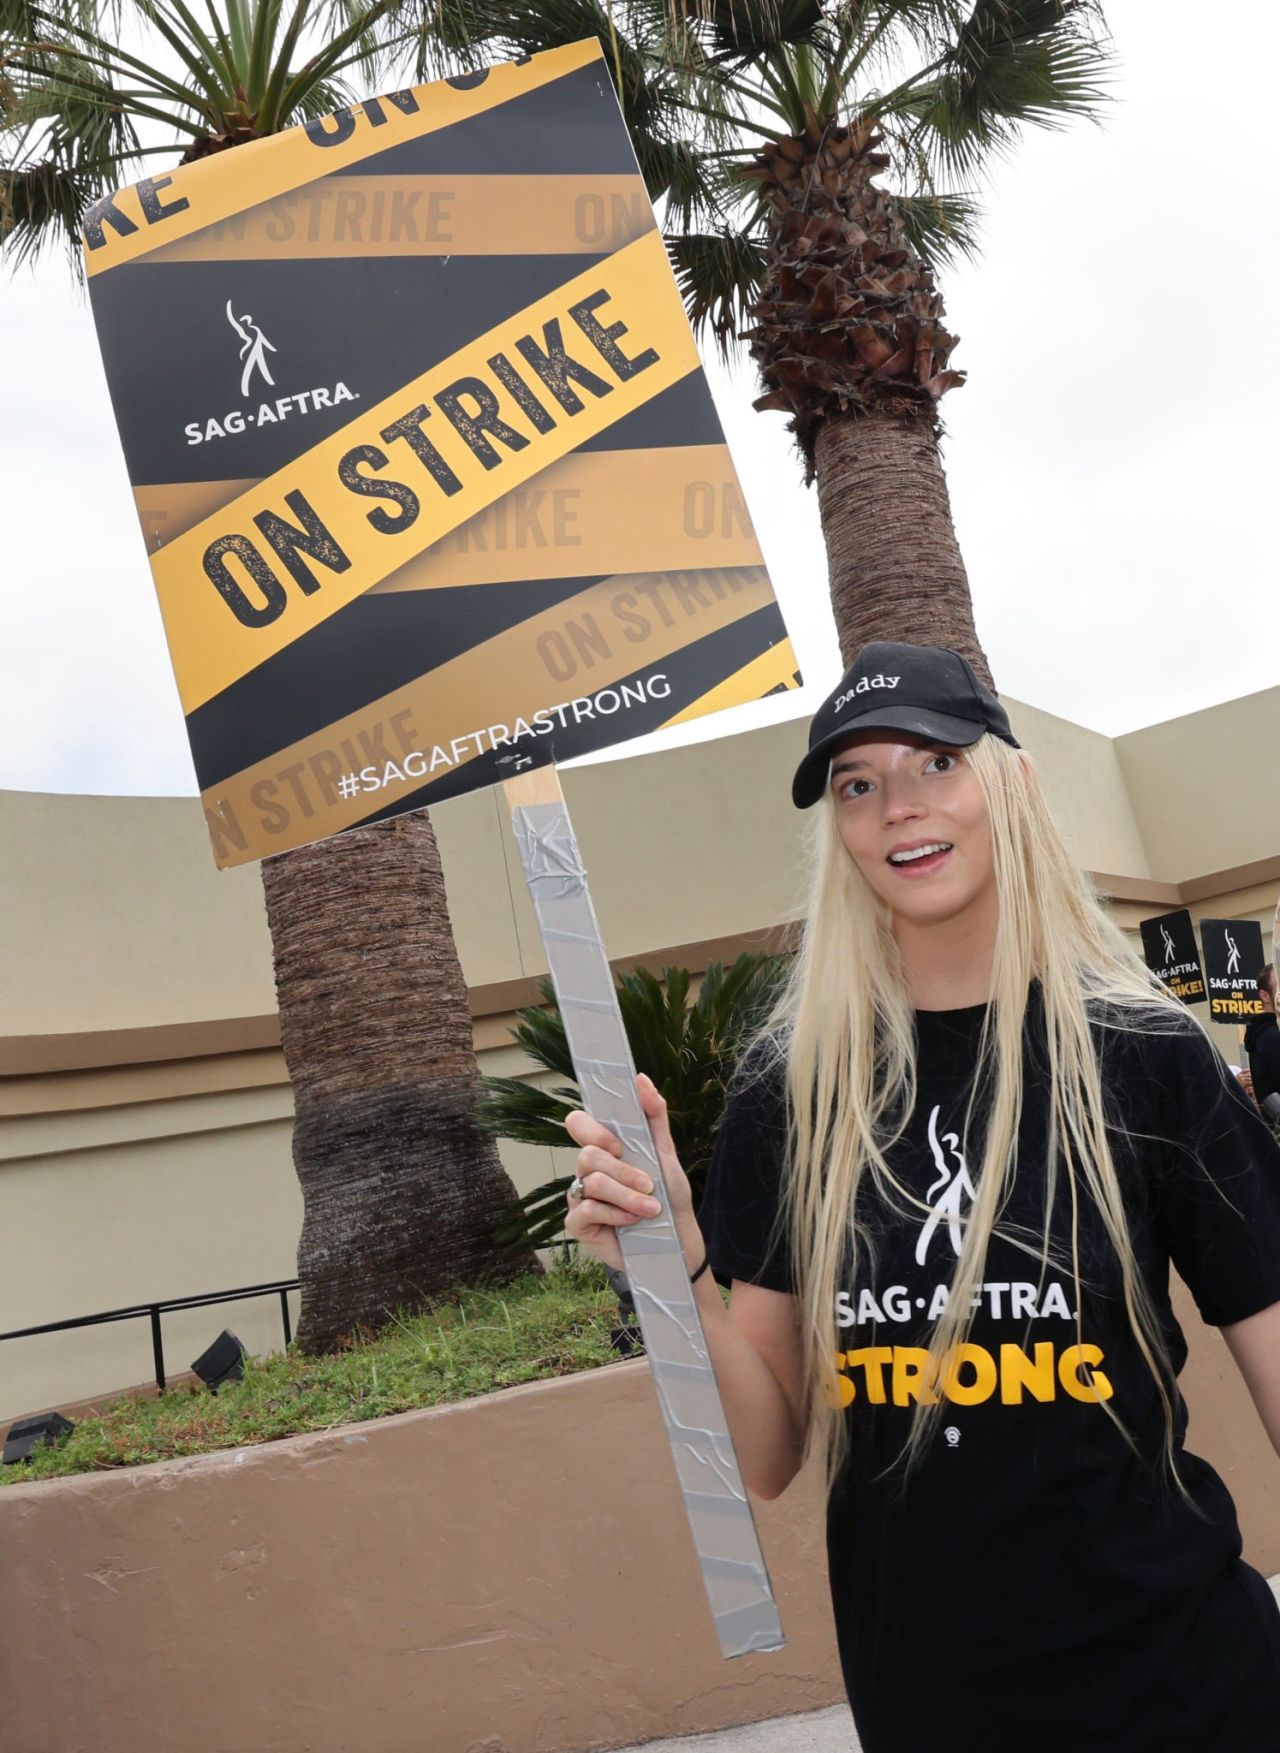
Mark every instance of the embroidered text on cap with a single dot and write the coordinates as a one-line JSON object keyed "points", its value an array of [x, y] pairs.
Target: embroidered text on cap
{"points": [[864, 686]]}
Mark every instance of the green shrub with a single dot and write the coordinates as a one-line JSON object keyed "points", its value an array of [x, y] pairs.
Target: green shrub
{"points": [[688, 1049]]}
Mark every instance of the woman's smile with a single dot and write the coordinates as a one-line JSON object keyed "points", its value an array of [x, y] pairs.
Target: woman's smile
{"points": [[919, 857]]}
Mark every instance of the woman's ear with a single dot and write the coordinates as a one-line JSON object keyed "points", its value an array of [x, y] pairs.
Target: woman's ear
{"points": [[1028, 770]]}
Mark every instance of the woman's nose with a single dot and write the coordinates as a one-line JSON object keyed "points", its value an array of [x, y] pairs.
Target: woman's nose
{"points": [[900, 803]]}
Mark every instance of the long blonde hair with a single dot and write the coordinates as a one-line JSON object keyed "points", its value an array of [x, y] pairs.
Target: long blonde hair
{"points": [[846, 1027]]}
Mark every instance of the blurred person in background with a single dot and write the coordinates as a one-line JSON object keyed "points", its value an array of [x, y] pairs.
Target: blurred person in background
{"points": [[1262, 1044]]}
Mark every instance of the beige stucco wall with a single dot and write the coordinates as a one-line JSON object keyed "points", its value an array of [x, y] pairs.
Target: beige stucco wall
{"points": [[113, 916], [1202, 787], [1085, 785], [187, 1198], [107, 1208]]}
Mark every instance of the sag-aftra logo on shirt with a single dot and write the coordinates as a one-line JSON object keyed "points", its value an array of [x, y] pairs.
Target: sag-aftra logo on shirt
{"points": [[950, 1189], [970, 1373]]}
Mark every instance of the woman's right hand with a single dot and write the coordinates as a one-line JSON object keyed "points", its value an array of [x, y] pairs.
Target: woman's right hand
{"points": [[617, 1194]]}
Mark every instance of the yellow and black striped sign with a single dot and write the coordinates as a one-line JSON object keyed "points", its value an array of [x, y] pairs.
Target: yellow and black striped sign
{"points": [[427, 468]]}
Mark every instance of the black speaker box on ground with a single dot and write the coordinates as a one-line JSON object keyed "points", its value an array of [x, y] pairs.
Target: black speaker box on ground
{"points": [[26, 1436], [223, 1362]]}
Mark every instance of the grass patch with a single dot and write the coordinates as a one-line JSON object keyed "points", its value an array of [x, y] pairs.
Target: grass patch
{"points": [[529, 1330]]}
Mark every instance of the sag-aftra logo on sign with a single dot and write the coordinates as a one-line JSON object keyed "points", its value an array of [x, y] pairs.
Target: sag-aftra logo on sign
{"points": [[254, 347]]}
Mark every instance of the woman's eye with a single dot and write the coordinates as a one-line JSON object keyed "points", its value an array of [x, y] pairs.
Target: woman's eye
{"points": [[857, 787], [941, 763]]}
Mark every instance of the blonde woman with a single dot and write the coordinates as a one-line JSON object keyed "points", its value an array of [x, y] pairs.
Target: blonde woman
{"points": [[951, 1180]]}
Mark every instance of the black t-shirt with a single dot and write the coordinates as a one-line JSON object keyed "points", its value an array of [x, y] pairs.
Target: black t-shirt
{"points": [[1031, 1583]]}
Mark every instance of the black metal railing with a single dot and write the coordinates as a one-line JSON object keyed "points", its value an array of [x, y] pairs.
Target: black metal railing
{"points": [[279, 1287]]}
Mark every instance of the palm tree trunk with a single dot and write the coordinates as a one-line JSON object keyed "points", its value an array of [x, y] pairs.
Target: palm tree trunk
{"points": [[401, 1188], [895, 566], [851, 341]]}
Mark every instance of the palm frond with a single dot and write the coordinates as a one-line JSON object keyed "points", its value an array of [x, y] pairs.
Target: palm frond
{"points": [[541, 1033], [1039, 63], [719, 275], [672, 171], [653, 57], [942, 229], [524, 1112], [459, 35], [20, 20], [38, 204], [70, 94], [534, 1221], [740, 31], [285, 92], [381, 35], [170, 28], [72, 131], [321, 98]]}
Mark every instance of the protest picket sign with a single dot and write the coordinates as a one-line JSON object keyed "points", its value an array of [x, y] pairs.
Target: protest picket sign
{"points": [[1233, 959], [1169, 950], [435, 496], [425, 462]]}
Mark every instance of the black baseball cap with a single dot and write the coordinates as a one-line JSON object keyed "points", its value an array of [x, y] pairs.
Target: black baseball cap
{"points": [[921, 690]]}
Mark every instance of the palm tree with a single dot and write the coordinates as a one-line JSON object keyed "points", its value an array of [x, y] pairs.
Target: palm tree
{"points": [[795, 114], [80, 112], [402, 1188]]}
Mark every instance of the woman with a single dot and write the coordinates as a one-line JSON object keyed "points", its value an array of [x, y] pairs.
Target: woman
{"points": [[949, 1184]]}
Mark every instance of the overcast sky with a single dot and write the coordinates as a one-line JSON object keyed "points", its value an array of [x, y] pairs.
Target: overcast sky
{"points": [[1110, 459]]}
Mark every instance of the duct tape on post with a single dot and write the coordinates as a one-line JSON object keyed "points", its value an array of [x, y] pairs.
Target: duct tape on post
{"points": [[724, 1533]]}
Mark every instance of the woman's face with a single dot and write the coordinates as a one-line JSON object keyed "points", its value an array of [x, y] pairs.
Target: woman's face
{"points": [[914, 820]]}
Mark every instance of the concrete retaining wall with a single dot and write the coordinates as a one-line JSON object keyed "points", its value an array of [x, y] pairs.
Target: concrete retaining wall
{"points": [[508, 1575]]}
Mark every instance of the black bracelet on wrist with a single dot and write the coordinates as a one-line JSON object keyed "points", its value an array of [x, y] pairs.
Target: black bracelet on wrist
{"points": [[698, 1274]]}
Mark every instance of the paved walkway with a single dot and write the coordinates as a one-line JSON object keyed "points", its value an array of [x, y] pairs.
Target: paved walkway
{"points": [[815, 1731]]}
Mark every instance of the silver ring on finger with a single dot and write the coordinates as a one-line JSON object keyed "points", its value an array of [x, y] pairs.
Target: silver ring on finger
{"points": [[576, 1191]]}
